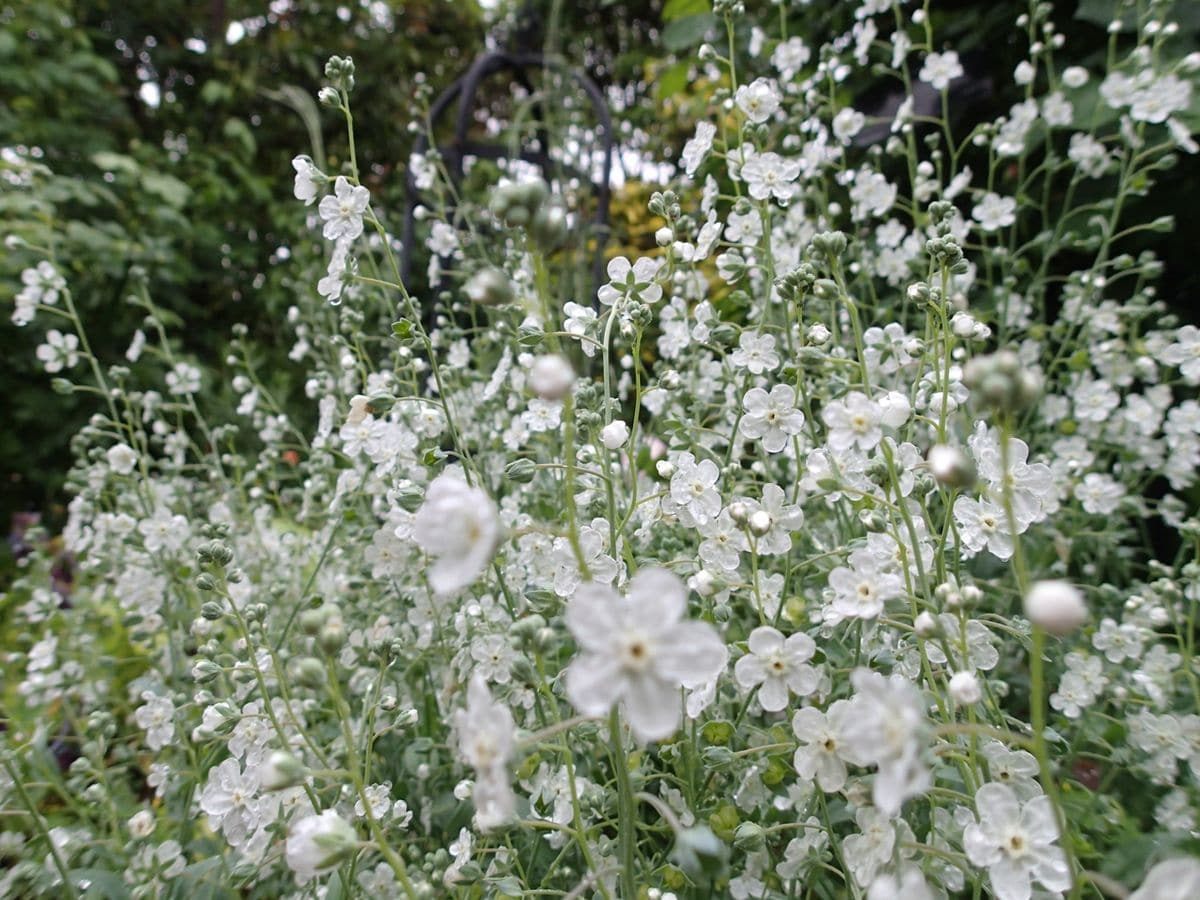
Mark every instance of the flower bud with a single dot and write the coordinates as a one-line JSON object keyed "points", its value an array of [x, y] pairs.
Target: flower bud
{"points": [[925, 625], [965, 689], [489, 287], [282, 770], [1056, 606], [950, 466], [759, 522], [551, 377], [614, 434], [319, 843], [739, 512]]}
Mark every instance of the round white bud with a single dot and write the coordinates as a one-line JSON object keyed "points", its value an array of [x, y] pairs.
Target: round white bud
{"points": [[614, 434], [760, 522], [965, 689], [1056, 606], [551, 377]]}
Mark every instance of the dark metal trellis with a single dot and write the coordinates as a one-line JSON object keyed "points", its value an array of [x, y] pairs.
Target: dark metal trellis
{"points": [[454, 153]]}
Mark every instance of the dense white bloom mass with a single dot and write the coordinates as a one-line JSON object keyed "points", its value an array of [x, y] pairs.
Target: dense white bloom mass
{"points": [[457, 525], [638, 650]]}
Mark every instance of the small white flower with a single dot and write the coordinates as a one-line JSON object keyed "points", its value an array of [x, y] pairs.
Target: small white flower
{"points": [[994, 212], [759, 100], [308, 179], [940, 69], [631, 281], [551, 377], [121, 458], [772, 417], [486, 737], [343, 211], [458, 525], [698, 147], [777, 666], [636, 649], [1015, 843]]}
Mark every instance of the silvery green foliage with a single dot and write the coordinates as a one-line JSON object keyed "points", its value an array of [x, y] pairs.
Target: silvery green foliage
{"points": [[811, 560]]}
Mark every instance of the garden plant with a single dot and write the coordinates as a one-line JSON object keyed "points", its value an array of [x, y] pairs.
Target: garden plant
{"points": [[843, 543]]}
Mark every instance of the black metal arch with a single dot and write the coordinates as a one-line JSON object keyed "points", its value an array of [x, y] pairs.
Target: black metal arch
{"points": [[454, 153]]}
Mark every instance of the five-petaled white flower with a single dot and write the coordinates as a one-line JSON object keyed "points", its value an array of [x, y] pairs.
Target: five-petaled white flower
{"points": [[638, 650], [486, 735], [458, 525], [628, 281], [772, 417], [343, 210], [1015, 843], [777, 666]]}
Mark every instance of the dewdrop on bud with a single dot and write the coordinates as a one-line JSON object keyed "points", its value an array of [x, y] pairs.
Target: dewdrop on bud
{"points": [[282, 770], [614, 434], [1056, 606], [965, 689], [950, 466], [551, 377]]}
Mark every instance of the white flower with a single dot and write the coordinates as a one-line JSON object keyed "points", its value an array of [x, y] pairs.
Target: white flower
{"points": [[1056, 606], [776, 666], [822, 742], [635, 649], [758, 100], [308, 179], [634, 281], [551, 376], [458, 525], [580, 322], [698, 147], [1099, 494], [1015, 843], [156, 717], [862, 588], [121, 458], [790, 57], [1185, 353], [614, 434], [343, 211], [755, 353], [854, 420], [994, 212], [317, 844], [1075, 76], [692, 488], [981, 523], [1172, 879], [940, 69], [886, 731], [486, 736], [847, 123], [183, 379], [59, 352], [772, 417], [770, 175]]}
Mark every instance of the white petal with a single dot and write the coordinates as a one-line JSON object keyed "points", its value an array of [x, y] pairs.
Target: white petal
{"points": [[764, 640], [773, 695], [653, 708], [594, 683], [593, 616], [657, 598], [695, 655]]}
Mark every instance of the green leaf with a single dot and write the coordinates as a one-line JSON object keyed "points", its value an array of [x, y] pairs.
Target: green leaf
{"points": [[103, 884], [167, 187], [672, 80], [687, 32], [115, 162], [677, 9]]}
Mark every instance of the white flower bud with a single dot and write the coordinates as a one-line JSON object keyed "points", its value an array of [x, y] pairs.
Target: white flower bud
{"points": [[121, 458], [896, 409], [551, 377], [1056, 606], [665, 468], [317, 844], [358, 409], [950, 466], [818, 334], [965, 689], [614, 434], [925, 625], [760, 522], [141, 825], [739, 513], [282, 770], [664, 236]]}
